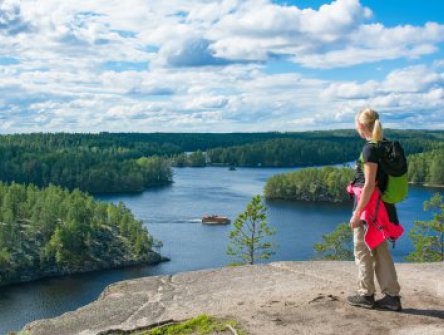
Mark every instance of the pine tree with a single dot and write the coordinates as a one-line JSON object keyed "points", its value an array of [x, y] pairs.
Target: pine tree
{"points": [[436, 171], [5, 257], [248, 239], [428, 236], [337, 245], [44, 229]]}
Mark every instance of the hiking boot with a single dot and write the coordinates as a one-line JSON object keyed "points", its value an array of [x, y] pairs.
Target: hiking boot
{"points": [[367, 301], [392, 303]]}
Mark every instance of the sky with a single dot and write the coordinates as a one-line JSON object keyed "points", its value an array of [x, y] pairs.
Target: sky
{"points": [[219, 66]]}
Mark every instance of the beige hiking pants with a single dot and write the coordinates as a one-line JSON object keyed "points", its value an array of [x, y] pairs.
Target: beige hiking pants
{"points": [[377, 261]]}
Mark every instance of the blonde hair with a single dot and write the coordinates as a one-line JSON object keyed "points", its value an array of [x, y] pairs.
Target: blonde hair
{"points": [[370, 119]]}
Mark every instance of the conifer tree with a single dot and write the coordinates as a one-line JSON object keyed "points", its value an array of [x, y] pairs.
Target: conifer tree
{"points": [[248, 240], [428, 236], [337, 245]]}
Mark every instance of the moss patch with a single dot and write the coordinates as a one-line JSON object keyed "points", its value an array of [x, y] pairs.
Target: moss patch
{"points": [[200, 325]]}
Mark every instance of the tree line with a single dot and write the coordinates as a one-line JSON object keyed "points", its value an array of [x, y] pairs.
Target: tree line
{"points": [[329, 183], [52, 231], [131, 162], [74, 161], [427, 167], [285, 152], [310, 184], [306, 151], [194, 159]]}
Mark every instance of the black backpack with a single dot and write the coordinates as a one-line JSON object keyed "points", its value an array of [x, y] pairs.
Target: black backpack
{"points": [[392, 158], [393, 162]]}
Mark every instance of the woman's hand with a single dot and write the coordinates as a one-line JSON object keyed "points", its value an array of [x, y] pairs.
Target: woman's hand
{"points": [[355, 221]]}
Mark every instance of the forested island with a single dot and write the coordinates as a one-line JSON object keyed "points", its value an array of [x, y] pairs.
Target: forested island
{"points": [[329, 183], [310, 184], [54, 231]]}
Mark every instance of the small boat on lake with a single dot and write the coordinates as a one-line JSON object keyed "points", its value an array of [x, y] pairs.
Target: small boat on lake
{"points": [[215, 220], [232, 168]]}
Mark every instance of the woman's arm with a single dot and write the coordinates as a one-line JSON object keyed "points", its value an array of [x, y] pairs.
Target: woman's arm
{"points": [[369, 186]]}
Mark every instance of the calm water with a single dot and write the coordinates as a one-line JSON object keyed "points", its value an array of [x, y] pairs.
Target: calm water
{"points": [[172, 214]]}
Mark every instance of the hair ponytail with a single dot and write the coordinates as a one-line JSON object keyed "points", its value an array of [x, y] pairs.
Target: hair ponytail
{"points": [[370, 119], [377, 131]]}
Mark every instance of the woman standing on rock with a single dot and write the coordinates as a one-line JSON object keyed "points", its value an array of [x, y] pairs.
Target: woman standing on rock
{"points": [[377, 260]]}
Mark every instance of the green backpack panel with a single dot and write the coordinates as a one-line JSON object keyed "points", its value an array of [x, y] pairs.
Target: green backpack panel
{"points": [[393, 162], [397, 189]]}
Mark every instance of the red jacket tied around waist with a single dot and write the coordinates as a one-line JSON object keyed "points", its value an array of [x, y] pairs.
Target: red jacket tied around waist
{"points": [[378, 228]]}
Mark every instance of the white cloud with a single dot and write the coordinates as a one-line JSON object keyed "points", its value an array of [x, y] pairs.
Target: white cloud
{"points": [[208, 102], [336, 35], [413, 79], [206, 33], [410, 97], [206, 62]]}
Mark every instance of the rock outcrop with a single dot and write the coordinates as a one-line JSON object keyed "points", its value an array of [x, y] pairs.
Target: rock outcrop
{"points": [[274, 298]]}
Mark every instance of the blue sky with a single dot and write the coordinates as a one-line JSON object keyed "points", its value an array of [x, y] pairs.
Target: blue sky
{"points": [[219, 66]]}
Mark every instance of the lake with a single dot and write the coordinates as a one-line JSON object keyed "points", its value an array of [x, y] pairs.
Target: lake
{"points": [[173, 213]]}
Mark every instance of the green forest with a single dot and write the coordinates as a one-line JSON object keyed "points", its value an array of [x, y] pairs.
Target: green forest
{"points": [[286, 152], [131, 162], [194, 159], [329, 183], [310, 184], [312, 150], [427, 168], [51, 225], [87, 162], [53, 231]]}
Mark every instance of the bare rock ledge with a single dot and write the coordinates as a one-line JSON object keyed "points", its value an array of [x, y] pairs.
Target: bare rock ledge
{"points": [[274, 298]]}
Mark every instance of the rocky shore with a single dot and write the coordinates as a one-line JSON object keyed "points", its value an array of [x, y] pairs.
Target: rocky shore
{"points": [[275, 298], [37, 273]]}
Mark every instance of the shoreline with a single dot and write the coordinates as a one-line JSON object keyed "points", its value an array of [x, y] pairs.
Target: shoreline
{"points": [[154, 259], [226, 165], [425, 185], [305, 200]]}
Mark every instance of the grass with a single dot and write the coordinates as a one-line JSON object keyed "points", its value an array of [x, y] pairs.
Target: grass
{"points": [[200, 325]]}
